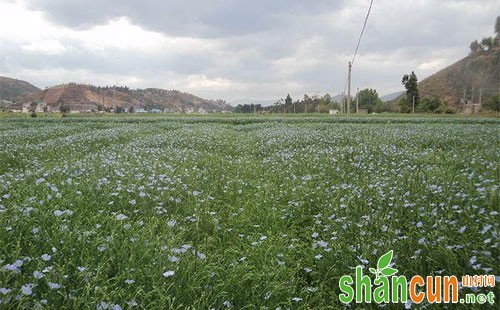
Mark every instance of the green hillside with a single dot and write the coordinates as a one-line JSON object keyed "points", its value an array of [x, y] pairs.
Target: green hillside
{"points": [[15, 90]]}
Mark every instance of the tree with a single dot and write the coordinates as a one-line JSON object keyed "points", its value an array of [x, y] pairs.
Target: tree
{"points": [[33, 106], [497, 31], [276, 107], [131, 109], [244, 108], [306, 101], [487, 43], [323, 103], [410, 82], [64, 108], [289, 102], [492, 103], [334, 105], [327, 99], [475, 46], [429, 104], [368, 99], [404, 106]]}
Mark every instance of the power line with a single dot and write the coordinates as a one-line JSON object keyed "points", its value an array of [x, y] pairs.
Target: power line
{"points": [[362, 32], [359, 40]]}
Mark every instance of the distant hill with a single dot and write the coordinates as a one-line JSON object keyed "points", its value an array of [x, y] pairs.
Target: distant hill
{"points": [[177, 101], [12, 90], [479, 70], [391, 96], [92, 98], [338, 98]]}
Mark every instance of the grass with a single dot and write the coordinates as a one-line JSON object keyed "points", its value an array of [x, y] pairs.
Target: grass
{"points": [[238, 212]]}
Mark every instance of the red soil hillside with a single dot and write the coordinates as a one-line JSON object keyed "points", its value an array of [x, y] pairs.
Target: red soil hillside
{"points": [[480, 70], [91, 98]]}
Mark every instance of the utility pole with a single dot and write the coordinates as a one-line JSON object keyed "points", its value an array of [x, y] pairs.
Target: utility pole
{"points": [[343, 103], [413, 106], [349, 91], [480, 96], [357, 101], [472, 101], [464, 101]]}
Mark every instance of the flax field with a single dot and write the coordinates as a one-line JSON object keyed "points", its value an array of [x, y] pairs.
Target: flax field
{"points": [[238, 212]]}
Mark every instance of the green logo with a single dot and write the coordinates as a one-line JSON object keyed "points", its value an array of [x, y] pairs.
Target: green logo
{"points": [[362, 289], [389, 287], [383, 269]]}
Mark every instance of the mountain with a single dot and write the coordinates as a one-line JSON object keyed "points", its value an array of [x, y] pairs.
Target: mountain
{"points": [[391, 96], [339, 98], [478, 71], [177, 101], [12, 90], [81, 97]]}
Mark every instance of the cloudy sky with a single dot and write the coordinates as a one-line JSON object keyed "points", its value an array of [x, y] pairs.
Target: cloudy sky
{"points": [[235, 49]]}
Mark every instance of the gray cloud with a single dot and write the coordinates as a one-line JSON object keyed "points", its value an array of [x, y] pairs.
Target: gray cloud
{"points": [[258, 49], [194, 18]]}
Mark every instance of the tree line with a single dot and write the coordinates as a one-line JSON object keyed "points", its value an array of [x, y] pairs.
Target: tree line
{"points": [[124, 89], [367, 99], [308, 104], [487, 43]]}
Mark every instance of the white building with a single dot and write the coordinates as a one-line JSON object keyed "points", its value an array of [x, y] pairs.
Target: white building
{"points": [[40, 107]]}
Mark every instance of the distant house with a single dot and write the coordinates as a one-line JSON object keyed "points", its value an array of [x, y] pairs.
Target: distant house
{"points": [[10, 106], [334, 112], [26, 108], [40, 107], [362, 111], [156, 111], [140, 110]]}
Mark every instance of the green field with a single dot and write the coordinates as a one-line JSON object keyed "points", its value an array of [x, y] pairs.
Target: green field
{"points": [[238, 212]]}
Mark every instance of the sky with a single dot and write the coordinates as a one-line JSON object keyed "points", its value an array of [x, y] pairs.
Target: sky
{"points": [[237, 49]]}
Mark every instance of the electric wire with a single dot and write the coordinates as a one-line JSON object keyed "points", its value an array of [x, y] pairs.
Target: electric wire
{"points": [[359, 40], [362, 32]]}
